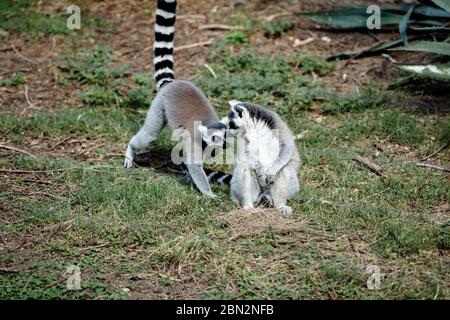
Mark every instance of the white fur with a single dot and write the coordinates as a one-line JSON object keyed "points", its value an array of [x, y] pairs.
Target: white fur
{"points": [[165, 14], [163, 58], [163, 44], [163, 70], [233, 103], [164, 29]]}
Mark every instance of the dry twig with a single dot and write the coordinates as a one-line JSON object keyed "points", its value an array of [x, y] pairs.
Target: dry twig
{"points": [[217, 26], [370, 164], [193, 45], [17, 150], [436, 152], [22, 56]]}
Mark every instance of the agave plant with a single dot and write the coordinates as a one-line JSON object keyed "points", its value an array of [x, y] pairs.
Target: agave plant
{"points": [[429, 20]]}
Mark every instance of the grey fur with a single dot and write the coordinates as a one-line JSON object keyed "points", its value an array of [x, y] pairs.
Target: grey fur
{"points": [[179, 104]]}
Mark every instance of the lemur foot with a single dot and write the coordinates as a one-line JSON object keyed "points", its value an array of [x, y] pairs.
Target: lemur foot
{"points": [[285, 210], [210, 195]]}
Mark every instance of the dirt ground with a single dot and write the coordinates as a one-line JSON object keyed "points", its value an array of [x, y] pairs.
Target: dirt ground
{"points": [[133, 37]]}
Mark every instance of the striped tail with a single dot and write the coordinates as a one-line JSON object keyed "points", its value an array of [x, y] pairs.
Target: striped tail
{"points": [[221, 178], [164, 34]]}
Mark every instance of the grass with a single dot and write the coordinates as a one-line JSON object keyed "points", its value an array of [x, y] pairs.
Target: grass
{"points": [[25, 17], [145, 230]]}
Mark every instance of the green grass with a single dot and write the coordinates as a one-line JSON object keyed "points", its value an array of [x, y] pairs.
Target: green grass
{"points": [[22, 16], [14, 81], [145, 230], [276, 28]]}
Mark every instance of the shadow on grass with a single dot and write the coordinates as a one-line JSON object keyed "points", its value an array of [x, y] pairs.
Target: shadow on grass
{"points": [[157, 158]]}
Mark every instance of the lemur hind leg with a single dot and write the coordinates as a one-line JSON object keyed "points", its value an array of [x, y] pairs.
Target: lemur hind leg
{"points": [[285, 187], [154, 123], [198, 176]]}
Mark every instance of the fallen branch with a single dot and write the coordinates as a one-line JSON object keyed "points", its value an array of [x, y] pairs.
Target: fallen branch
{"points": [[193, 45], [31, 105], [15, 71], [17, 150], [26, 171], [436, 152], [60, 142], [369, 164], [278, 15], [217, 26], [425, 165], [298, 43], [431, 166]]}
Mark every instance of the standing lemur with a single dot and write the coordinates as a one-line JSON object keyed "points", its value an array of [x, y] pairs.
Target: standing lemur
{"points": [[267, 160], [180, 104]]}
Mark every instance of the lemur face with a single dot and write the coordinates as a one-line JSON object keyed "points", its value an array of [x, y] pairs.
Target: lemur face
{"points": [[214, 134], [238, 115]]}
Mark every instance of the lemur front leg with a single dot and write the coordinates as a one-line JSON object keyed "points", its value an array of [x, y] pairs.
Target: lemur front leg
{"points": [[154, 123], [271, 173]]}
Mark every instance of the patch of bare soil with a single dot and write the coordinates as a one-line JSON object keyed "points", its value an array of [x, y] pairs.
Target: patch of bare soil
{"points": [[245, 223]]}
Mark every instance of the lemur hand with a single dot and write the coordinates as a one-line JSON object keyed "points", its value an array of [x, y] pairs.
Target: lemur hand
{"points": [[210, 195], [271, 175], [259, 170]]}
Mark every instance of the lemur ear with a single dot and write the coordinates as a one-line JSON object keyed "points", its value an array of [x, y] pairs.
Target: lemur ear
{"points": [[203, 130], [233, 103]]}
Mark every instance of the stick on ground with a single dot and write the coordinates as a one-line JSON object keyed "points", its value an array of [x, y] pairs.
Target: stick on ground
{"points": [[220, 27], [17, 150], [432, 166], [370, 164], [193, 45], [436, 152]]}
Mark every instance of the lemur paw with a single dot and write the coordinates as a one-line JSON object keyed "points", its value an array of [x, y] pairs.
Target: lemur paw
{"points": [[258, 169], [128, 163], [285, 210], [249, 207], [271, 178]]}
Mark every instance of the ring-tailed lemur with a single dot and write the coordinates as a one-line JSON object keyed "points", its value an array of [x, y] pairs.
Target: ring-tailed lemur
{"points": [[267, 160], [178, 103]]}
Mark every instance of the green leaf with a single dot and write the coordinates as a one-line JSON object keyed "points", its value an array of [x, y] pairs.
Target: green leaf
{"points": [[432, 28], [353, 18], [445, 4], [435, 71], [403, 27], [429, 11], [366, 52], [442, 48]]}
